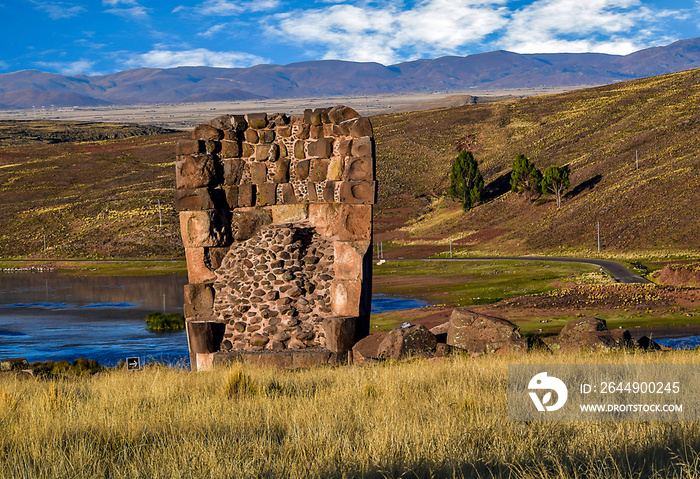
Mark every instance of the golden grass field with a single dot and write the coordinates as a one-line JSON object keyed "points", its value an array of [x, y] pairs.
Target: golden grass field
{"points": [[422, 418]]}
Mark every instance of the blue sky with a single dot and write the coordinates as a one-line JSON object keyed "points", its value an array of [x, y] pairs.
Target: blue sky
{"points": [[105, 36]]}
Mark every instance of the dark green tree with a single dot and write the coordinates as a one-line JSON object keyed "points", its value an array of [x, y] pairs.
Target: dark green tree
{"points": [[525, 178], [466, 183], [556, 181]]}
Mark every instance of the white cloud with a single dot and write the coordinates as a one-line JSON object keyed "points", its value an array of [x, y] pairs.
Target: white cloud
{"points": [[126, 8], [80, 67], [59, 10], [574, 26], [219, 8], [213, 30], [196, 57], [388, 34]]}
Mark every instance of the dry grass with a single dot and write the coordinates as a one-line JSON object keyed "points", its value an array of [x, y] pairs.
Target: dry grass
{"points": [[418, 419]]}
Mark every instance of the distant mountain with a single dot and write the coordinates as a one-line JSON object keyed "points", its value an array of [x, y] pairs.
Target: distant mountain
{"points": [[493, 70]]}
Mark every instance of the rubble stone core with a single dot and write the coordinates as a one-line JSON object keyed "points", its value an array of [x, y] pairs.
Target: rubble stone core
{"points": [[276, 221]]}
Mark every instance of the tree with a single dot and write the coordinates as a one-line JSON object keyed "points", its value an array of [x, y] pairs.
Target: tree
{"points": [[466, 183], [556, 181], [525, 178]]}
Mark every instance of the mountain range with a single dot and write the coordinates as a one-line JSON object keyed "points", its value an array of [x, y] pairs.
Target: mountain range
{"points": [[493, 70]]}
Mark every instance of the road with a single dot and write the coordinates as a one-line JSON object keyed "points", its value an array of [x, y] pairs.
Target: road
{"points": [[615, 269]]}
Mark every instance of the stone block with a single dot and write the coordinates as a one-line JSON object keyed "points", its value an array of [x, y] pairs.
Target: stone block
{"points": [[318, 170], [281, 171], [321, 148], [361, 127], [311, 358], [366, 350], [233, 170], [203, 228], [403, 342], [295, 213], [343, 129], [354, 222], [328, 130], [258, 172], [343, 146], [246, 195], [205, 336], [267, 152], [214, 256], [266, 136], [256, 121], [363, 147], [199, 301], [279, 119], [245, 223], [312, 196], [198, 266], [336, 168], [301, 170], [339, 332], [284, 131], [329, 188], [341, 113], [212, 147], [348, 258], [345, 297], [313, 117], [231, 193], [189, 147], [266, 194], [316, 132], [299, 149], [193, 199], [207, 132], [358, 192], [287, 195], [283, 152], [230, 149], [251, 136], [247, 149], [301, 132], [195, 171], [358, 169]]}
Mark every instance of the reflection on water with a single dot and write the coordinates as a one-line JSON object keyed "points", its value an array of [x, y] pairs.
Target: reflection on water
{"points": [[51, 317], [48, 316], [691, 342]]}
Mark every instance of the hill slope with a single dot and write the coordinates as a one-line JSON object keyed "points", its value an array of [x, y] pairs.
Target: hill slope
{"points": [[596, 132], [99, 197], [492, 70]]}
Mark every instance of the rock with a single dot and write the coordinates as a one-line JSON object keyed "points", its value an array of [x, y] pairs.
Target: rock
{"points": [[440, 332], [479, 333], [341, 113], [366, 350], [339, 332], [403, 342], [648, 344], [592, 334]]}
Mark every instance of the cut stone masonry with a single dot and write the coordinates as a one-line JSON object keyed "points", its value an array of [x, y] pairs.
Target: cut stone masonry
{"points": [[276, 221]]}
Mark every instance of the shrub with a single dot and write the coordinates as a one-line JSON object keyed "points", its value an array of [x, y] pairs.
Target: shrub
{"points": [[165, 322]]}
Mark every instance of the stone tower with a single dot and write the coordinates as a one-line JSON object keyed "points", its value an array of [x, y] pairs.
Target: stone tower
{"points": [[276, 220]]}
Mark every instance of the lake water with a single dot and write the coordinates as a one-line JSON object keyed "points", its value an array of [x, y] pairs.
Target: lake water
{"points": [[48, 316], [690, 342]]}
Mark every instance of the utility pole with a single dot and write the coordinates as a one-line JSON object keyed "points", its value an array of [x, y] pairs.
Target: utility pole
{"points": [[160, 215], [598, 237], [450, 247], [636, 157]]}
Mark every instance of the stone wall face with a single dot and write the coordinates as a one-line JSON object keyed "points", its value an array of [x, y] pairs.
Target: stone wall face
{"points": [[276, 220]]}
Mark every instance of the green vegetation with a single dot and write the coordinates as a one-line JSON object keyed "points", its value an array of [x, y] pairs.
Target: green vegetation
{"points": [[159, 322], [594, 131], [525, 178], [466, 183], [422, 418], [79, 367], [555, 181], [102, 268]]}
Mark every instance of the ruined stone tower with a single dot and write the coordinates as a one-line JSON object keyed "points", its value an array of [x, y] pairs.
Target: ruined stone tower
{"points": [[276, 220]]}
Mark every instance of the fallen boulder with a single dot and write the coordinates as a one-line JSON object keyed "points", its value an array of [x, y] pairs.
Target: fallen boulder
{"points": [[404, 342], [366, 350], [592, 334], [479, 333]]}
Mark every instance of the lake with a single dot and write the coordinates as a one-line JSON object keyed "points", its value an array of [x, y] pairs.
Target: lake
{"points": [[49, 316]]}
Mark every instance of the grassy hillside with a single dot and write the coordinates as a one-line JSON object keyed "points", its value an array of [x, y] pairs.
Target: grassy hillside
{"points": [[596, 132], [86, 198], [92, 193]]}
